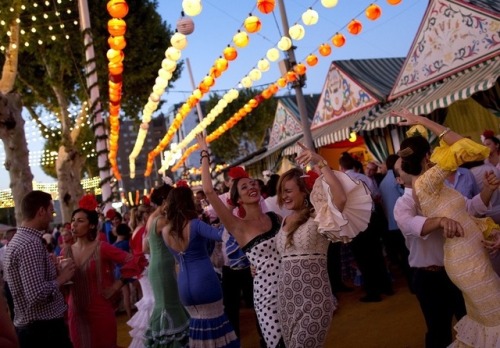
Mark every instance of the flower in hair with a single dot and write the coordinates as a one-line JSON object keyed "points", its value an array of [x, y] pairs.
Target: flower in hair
{"points": [[146, 201], [237, 173], [488, 133], [309, 179], [88, 202], [181, 183]]}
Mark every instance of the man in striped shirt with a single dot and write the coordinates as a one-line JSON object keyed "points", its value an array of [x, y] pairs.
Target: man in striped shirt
{"points": [[34, 280]]}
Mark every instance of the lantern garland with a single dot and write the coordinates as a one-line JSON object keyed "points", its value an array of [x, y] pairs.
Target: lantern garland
{"points": [[116, 28]]}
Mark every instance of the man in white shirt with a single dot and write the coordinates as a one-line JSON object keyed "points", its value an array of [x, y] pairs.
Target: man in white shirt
{"points": [[439, 298]]}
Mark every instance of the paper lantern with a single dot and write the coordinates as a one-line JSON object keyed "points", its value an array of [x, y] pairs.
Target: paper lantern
{"points": [[179, 41], [117, 8], [246, 82], [274, 88], [117, 42], [247, 108], [291, 76], [300, 69], [312, 60], [354, 27], [281, 82], [173, 53], [168, 64], [230, 53], [266, 94], [297, 32], [310, 17], [373, 12], [241, 39], [338, 40], [221, 64], [263, 65], [329, 3], [115, 56], [255, 74], [393, 2], [285, 43], [185, 25], [117, 27], [325, 49], [115, 68], [273, 54], [265, 6], [252, 24], [192, 7], [197, 94]]}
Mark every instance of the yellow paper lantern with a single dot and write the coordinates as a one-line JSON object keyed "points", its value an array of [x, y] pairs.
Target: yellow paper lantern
{"points": [[310, 17], [329, 3], [230, 53], [192, 7], [263, 65], [273, 54], [179, 41], [252, 24], [117, 27], [297, 32], [285, 43], [255, 74], [241, 39], [117, 42], [221, 64]]}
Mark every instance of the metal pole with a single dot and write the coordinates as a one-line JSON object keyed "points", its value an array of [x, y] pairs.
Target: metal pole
{"points": [[90, 68], [301, 103], [191, 78]]}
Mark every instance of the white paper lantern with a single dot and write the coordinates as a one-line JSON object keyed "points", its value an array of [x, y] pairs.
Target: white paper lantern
{"points": [[297, 32], [273, 54], [173, 53], [263, 65], [179, 41], [310, 17], [255, 74], [168, 64], [329, 3], [246, 82], [192, 7], [285, 43]]}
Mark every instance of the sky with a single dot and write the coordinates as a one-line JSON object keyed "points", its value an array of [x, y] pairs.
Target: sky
{"points": [[390, 36]]}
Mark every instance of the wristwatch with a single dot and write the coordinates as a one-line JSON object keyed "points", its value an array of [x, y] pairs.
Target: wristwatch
{"points": [[323, 163]]}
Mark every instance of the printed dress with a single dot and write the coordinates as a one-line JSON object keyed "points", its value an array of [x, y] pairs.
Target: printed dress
{"points": [[306, 303], [466, 260], [262, 254]]}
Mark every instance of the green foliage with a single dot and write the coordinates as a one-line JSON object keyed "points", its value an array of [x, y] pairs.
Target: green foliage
{"points": [[250, 131]]}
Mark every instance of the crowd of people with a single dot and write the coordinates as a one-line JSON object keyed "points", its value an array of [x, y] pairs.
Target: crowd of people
{"points": [[184, 258]]}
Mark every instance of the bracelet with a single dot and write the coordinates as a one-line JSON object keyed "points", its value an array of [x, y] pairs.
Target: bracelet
{"points": [[443, 133], [205, 156], [204, 152], [322, 164]]}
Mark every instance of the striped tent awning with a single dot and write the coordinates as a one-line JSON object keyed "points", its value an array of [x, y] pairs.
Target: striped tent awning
{"points": [[274, 151]]}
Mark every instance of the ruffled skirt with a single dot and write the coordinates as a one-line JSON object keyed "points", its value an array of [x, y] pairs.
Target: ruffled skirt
{"points": [[470, 333], [139, 323]]}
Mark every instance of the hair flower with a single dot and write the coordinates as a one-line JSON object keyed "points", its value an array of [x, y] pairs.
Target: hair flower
{"points": [[88, 202], [181, 183], [237, 173]]}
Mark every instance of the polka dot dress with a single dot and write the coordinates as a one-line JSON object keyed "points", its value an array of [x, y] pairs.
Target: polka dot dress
{"points": [[261, 252]]}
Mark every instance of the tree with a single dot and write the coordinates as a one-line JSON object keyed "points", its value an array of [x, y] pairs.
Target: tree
{"points": [[51, 79], [249, 134]]}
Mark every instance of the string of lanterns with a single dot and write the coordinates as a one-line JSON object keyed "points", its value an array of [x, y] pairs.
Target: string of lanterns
{"points": [[117, 29]]}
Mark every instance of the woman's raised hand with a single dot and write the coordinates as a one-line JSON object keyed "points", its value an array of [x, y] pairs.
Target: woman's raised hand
{"points": [[307, 155], [202, 141], [409, 118]]}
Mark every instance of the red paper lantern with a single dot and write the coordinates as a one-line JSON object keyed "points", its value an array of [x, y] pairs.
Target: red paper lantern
{"points": [[265, 6], [338, 40], [354, 27], [312, 60], [373, 12], [117, 8], [252, 24], [230, 53], [325, 49], [117, 42], [117, 27]]}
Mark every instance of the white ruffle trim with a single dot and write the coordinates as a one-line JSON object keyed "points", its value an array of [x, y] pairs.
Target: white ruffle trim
{"points": [[470, 333], [341, 226]]}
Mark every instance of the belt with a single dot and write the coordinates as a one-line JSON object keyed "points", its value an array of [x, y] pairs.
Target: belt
{"points": [[432, 268]]}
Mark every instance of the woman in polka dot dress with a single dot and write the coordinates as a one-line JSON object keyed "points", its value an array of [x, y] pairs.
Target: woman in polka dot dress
{"points": [[255, 233]]}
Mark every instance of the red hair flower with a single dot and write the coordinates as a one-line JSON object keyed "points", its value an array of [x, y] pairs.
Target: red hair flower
{"points": [[88, 202], [181, 183], [146, 201], [488, 134], [310, 178], [237, 173]]}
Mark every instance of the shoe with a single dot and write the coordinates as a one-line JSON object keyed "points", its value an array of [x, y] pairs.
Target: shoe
{"points": [[371, 298]]}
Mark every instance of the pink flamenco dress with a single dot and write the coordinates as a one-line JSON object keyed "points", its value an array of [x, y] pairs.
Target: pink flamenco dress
{"points": [[305, 300], [466, 260], [92, 321]]}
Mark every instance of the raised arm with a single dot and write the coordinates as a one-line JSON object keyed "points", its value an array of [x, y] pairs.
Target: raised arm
{"points": [[338, 193], [230, 222]]}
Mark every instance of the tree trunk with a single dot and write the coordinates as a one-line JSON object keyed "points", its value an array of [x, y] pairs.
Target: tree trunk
{"points": [[16, 149], [69, 165]]}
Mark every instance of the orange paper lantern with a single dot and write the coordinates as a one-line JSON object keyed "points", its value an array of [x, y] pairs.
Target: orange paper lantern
{"points": [[265, 6], [266, 94], [373, 12], [338, 40], [117, 8], [230, 53], [117, 42], [300, 69], [325, 49], [115, 68], [291, 76], [117, 27], [252, 24], [393, 2], [214, 72], [312, 60], [274, 88], [354, 27]]}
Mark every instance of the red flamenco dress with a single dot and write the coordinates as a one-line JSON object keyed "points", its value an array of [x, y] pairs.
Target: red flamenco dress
{"points": [[92, 320]]}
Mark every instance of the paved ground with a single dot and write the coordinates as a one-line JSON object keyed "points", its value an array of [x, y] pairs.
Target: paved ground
{"points": [[396, 322]]}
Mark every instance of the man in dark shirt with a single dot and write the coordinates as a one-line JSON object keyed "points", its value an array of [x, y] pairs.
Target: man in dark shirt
{"points": [[34, 280]]}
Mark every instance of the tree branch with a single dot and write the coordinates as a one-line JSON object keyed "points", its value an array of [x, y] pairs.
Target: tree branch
{"points": [[79, 123], [36, 118], [9, 69]]}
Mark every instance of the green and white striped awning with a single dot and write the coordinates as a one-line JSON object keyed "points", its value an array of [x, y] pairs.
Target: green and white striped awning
{"points": [[274, 152]]}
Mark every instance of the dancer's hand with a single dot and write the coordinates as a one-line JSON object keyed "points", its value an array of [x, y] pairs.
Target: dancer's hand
{"points": [[202, 141], [410, 118], [451, 228], [307, 156]]}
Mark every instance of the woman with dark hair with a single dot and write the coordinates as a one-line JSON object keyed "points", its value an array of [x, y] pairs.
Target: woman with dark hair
{"points": [[319, 207], [466, 259], [92, 320], [200, 291], [255, 234]]}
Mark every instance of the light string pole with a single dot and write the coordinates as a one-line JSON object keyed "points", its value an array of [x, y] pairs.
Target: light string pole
{"points": [[297, 85]]}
